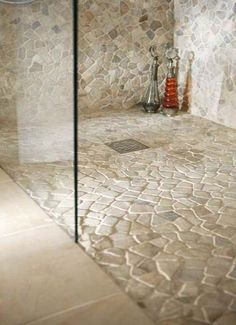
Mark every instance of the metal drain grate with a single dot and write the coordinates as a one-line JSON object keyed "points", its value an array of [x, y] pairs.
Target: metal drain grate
{"points": [[127, 145]]}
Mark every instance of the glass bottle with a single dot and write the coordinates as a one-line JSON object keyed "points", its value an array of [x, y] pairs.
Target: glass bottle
{"points": [[151, 101], [186, 103], [170, 102]]}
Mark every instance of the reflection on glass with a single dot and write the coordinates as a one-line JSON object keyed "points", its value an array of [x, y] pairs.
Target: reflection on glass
{"points": [[36, 133]]}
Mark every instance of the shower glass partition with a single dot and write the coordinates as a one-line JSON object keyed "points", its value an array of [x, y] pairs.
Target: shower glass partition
{"points": [[36, 103]]}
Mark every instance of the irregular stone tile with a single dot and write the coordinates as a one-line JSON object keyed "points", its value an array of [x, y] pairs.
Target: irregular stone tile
{"points": [[182, 224], [170, 309], [122, 241], [121, 205], [133, 259], [167, 268], [154, 302], [109, 259], [91, 222], [189, 289], [228, 220], [119, 272], [147, 237], [141, 208], [229, 319], [232, 273], [194, 252], [175, 247], [214, 300], [201, 211], [104, 230], [147, 265], [159, 242], [103, 244], [123, 226], [229, 286], [212, 314], [195, 263], [144, 219], [171, 216], [218, 266], [96, 207], [137, 229], [111, 211], [190, 275], [150, 279], [110, 221], [138, 290], [145, 249]]}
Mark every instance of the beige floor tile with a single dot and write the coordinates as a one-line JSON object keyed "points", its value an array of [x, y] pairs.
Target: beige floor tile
{"points": [[43, 272], [18, 211], [115, 310], [4, 177]]}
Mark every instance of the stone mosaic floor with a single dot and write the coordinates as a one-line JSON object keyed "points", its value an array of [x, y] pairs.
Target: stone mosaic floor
{"points": [[161, 221]]}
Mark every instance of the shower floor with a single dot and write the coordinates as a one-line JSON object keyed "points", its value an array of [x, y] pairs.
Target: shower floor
{"points": [[161, 221]]}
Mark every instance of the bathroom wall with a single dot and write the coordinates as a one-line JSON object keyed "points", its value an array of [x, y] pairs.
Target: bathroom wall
{"points": [[7, 67], [36, 62], [35, 55], [114, 40], [208, 27], [36, 78]]}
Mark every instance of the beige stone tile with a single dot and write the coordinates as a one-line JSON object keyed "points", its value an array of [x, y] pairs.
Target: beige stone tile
{"points": [[18, 212], [227, 319], [43, 272], [4, 177], [115, 310]]}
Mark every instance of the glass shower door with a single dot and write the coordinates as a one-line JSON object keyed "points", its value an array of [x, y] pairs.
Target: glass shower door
{"points": [[36, 103]]}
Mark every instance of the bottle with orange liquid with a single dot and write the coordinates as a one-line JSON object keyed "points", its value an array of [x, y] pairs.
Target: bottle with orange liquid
{"points": [[170, 101]]}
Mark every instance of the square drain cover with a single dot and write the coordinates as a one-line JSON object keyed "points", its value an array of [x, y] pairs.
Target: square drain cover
{"points": [[127, 145]]}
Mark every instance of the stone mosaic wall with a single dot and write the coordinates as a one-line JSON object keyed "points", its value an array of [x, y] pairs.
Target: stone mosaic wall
{"points": [[7, 66], [35, 55], [36, 77], [36, 61], [209, 29], [114, 40]]}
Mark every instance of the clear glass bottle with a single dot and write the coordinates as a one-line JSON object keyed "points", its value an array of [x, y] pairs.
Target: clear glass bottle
{"points": [[151, 101]]}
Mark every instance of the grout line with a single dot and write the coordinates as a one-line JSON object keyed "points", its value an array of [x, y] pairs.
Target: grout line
{"points": [[89, 303], [50, 223]]}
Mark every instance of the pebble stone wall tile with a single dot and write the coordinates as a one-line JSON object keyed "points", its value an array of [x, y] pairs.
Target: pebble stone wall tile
{"points": [[114, 60], [209, 29], [114, 40], [36, 63], [160, 221]]}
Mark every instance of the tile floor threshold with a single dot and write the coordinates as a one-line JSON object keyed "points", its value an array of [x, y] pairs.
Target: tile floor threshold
{"points": [[48, 279]]}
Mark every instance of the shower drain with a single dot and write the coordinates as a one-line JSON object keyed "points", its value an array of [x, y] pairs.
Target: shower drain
{"points": [[127, 145]]}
